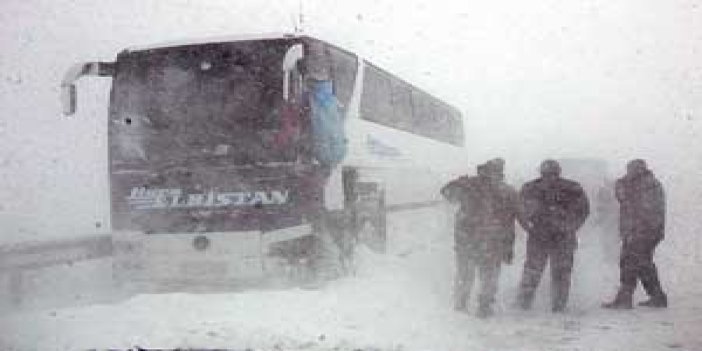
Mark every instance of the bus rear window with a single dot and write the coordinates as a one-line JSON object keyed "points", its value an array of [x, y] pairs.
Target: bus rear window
{"points": [[221, 101]]}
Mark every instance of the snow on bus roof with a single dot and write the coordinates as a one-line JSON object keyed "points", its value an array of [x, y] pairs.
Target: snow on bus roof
{"points": [[216, 39]]}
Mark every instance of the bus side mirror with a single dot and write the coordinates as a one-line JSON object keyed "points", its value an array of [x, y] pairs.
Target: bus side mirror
{"points": [[68, 87], [292, 56], [68, 99]]}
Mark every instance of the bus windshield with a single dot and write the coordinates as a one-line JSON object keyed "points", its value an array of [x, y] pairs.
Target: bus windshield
{"points": [[215, 102]]}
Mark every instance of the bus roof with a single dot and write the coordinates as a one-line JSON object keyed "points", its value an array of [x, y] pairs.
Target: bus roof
{"points": [[216, 39], [268, 36]]}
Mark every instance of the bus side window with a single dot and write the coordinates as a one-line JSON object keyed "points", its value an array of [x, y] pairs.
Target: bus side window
{"points": [[441, 130], [375, 103], [402, 106], [389, 101], [457, 137], [343, 72], [422, 113]]}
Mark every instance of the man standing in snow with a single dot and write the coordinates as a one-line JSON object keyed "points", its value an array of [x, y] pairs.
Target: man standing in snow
{"points": [[554, 209], [641, 227], [484, 232]]}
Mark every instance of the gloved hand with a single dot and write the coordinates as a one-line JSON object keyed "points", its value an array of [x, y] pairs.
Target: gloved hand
{"points": [[528, 226], [508, 256], [627, 239], [571, 227]]}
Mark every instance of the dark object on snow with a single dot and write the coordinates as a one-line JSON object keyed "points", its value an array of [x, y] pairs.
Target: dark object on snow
{"points": [[621, 302], [483, 233], [660, 301], [553, 210], [642, 227]]}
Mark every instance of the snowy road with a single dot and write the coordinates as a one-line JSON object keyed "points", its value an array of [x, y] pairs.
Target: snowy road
{"points": [[301, 320], [399, 301], [385, 312]]}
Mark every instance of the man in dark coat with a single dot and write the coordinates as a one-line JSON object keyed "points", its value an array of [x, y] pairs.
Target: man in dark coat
{"points": [[484, 232], [554, 209], [641, 227]]}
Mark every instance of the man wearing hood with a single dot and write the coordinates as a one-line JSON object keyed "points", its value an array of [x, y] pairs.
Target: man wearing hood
{"points": [[484, 232], [641, 227], [554, 209]]}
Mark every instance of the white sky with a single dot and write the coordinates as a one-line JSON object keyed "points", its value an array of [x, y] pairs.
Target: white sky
{"points": [[608, 79]]}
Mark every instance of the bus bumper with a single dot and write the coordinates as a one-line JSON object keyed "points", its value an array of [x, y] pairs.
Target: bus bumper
{"points": [[191, 261]]}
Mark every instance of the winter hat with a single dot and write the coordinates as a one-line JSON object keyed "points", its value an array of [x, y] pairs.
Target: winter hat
{"points": [[495, 166], [550, 167], [636, 166]]}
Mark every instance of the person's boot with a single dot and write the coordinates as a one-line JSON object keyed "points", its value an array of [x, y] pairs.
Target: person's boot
{"points": [[558, 308], [623, 301], [657, 301], [525, 300], [484, 311], [460, 305], [461, 296], [559, 301], [652, 286]]}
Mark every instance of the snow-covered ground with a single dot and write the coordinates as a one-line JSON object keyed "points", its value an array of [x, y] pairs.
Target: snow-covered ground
{"points": [[602, 78], [397, 301]]}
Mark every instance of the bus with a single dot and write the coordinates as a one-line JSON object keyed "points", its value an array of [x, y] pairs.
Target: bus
{"points": [[241, 160]]}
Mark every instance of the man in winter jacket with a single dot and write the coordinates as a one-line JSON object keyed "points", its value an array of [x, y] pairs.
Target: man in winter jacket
{"points": [[641, 227], [484, 232], [554, 209]]}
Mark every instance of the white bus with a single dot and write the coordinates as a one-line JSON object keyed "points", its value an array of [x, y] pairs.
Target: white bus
{"points": [[235, 161]]}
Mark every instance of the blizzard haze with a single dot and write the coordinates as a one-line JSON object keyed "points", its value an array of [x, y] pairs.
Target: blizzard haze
{"points": [[599, 79]]}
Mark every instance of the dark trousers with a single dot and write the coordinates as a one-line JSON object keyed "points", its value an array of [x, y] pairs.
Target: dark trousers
{"points": [[488, 268], [636, 263], [559, 254]]}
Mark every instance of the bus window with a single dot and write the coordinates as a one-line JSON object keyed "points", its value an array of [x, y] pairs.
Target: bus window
{"points": [[376, 100], [344, 69], [457, 137], [219, 101], [389, 101], [402, 106], [422, 112]]}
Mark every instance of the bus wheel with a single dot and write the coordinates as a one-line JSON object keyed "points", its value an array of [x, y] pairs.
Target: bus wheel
{"points": [[371, 223], [327, 254]]}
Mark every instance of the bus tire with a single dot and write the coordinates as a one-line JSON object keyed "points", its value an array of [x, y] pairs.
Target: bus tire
{"points": [[371, 223], [327, 254]]}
